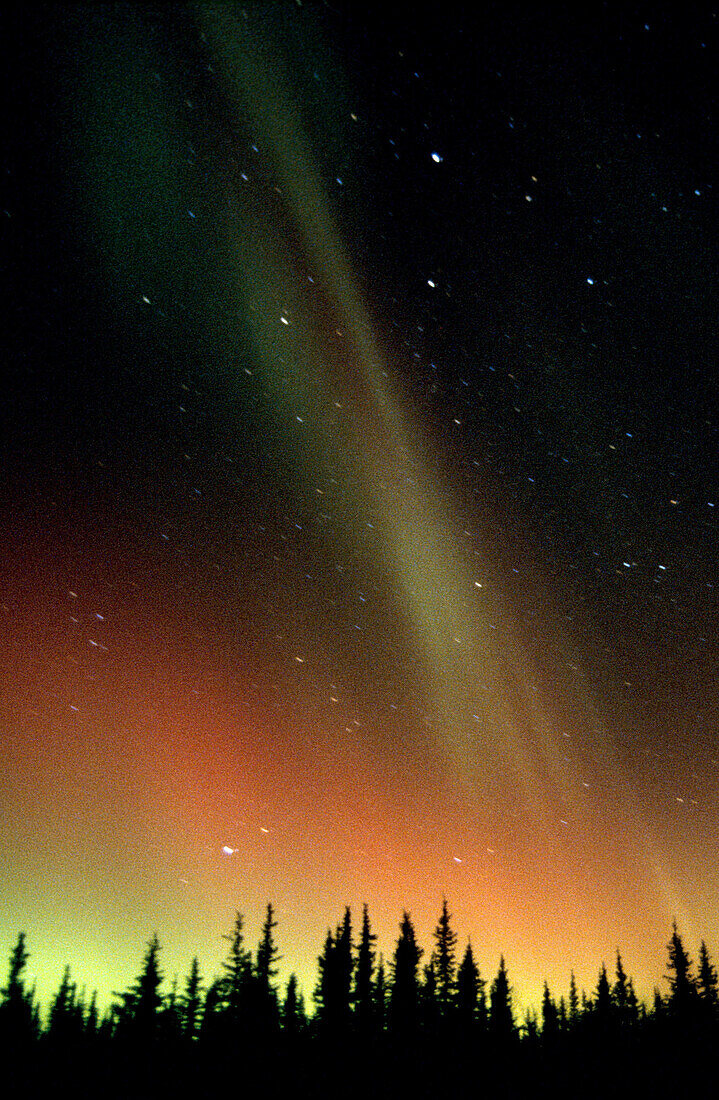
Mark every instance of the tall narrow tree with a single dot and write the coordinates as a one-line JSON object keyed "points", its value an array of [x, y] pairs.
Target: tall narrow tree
{"points": [[501, 1015], [682, 989], [344, 964], [445, 960], [292, 1023], [140, 1006], [573, 1001], [192, 1001], [707, 984], [265, 973], [364, 972], [620, 992], [469, 987], [237, 968], [405, 981], [323, 995], [603, 1009], [550, 1018]]}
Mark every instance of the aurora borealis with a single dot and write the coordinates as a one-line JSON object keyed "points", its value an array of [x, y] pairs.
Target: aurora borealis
{"points": [[360, 471]]}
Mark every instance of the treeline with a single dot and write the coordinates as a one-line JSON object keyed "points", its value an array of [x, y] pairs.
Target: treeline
{"points": [[424, 1022]]}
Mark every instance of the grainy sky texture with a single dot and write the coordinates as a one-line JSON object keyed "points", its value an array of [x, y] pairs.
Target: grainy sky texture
{"points": [[359, 452]]}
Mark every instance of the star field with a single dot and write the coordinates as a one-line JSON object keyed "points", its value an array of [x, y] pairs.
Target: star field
{"points": [[361, 489]]}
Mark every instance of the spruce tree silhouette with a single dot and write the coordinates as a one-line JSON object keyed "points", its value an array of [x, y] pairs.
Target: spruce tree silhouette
{"points": [[17, 1005], [324, 992], [550, 1018], [265, 1006], [602, 1015], [445, 961], [291, 1014], [91, 1018], [344, 964], [501, 1016], [573, 1015], [191, 1003], [624, 999], [63, 1019], [178, 1044], [470, 988], [707, 984], [334, 984], [141, 1005], [237, 968], [682, 988], [364, 1002], [404, 996]]}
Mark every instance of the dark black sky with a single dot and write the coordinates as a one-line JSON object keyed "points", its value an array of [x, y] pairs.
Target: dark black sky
{"points": [[570, 229]]}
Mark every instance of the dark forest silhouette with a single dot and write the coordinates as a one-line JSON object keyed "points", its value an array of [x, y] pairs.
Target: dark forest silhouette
{"points": [[415, 1024]]}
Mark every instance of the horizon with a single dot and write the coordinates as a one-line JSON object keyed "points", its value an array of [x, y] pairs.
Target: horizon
{"points": [[526, 994]]}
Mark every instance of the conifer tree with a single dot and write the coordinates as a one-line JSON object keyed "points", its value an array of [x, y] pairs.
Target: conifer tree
{"points": [[78, 1013], [140, 1007], [682, 990], [60, 1024], [267, 953], [237, 968], [16, 1006], [550, 1017], [192, 1001], [290, 1015], [707, 983], [620, 992], [148, 999], [530, 1028], [108, 1024], [405, 981], [573, 1001], [469, 988], [344, 965], [333, 991], [444, 958], [603, 999], [91, 1018], [323, 995], [265, 973], [364, 970], [501, 1016]]}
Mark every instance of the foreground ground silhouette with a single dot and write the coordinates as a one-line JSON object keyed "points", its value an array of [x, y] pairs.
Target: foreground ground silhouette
{"points": [[408, 1027]]}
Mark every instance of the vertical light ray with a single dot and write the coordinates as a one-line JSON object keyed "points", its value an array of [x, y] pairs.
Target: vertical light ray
{"points": [[461, 642]]}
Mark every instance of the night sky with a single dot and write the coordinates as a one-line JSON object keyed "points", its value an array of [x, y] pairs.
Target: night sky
{"points": [[360, 476]]}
